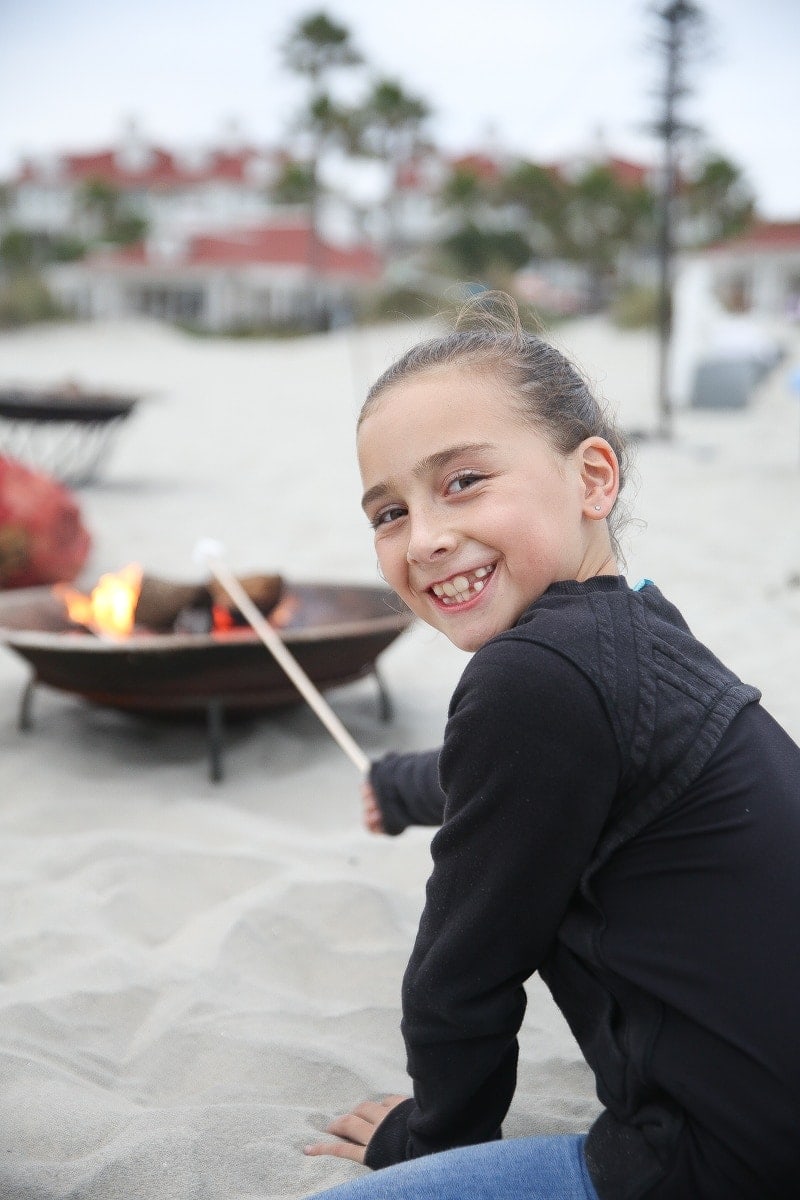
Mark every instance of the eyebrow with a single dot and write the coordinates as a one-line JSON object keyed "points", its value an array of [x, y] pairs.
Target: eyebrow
{"points": [[432, 462]]}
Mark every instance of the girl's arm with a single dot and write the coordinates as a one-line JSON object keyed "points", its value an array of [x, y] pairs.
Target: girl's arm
{"points": [[405, 789], [530, 766]]}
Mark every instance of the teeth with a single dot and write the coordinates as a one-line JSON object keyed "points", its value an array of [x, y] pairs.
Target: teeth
{"points": [[460, 588]]}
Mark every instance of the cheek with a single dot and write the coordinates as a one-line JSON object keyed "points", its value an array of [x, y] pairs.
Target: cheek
{"points": [[391, 561]]}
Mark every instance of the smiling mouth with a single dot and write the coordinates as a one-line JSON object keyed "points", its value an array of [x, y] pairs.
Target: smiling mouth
{"points": [[460, 588]]}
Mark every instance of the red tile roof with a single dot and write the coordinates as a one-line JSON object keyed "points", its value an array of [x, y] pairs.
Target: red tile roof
{"points": [[482, 166], [764, 235], [627, 173], [269, 244], [624, 171], [160, 169], [411, 174]]}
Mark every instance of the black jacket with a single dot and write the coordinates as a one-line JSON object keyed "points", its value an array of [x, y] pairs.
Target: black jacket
{"points": [[623, 816]]}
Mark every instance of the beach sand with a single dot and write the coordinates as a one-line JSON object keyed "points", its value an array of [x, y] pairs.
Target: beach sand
{"points": [[195, 977]]}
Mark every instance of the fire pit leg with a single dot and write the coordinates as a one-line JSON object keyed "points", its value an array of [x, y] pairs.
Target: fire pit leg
{"points": [[215, 727], [385, 707], [24, 719]]}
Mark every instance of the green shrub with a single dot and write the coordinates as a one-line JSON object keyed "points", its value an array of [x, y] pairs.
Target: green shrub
{"points": [[635, 308], [24, 298], [66, 248], [397, 303]]}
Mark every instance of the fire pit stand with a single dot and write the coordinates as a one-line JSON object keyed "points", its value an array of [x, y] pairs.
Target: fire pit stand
{"points": [[63, 433], [336, 633], [214, 715]]}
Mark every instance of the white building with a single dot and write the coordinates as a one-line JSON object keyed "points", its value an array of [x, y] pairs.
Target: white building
{"points": [[760, 271], [263, 276], [729, 301], [225, 187]]}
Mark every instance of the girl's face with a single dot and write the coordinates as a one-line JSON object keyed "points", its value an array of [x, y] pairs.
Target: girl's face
{"points": [[474, 513]]}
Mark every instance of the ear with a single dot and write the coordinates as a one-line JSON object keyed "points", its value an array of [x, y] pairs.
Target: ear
{"points": [[599, 470]]}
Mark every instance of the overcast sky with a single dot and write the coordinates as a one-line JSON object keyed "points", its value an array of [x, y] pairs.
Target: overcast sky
{"points": [[541, 78]]}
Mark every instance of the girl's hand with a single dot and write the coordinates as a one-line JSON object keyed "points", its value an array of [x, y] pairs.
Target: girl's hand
{"points": [[373, 819], [356, 1128]]}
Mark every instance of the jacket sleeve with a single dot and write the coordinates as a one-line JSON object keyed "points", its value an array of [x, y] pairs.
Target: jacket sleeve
{"points": [[530, 768], [407, 789]]}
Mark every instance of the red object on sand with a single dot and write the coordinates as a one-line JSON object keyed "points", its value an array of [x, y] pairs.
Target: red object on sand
{"points": [[42, 537]]}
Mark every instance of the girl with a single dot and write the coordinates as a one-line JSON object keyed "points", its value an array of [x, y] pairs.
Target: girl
{"points": [[619, 814]]}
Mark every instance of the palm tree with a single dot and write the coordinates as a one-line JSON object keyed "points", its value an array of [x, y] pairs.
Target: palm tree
{"points": [[315, 48], [680, 36], [539, 196], [602, 218], [105, 204], [101, 201], [483, 253], [388, 126], [294, 185], [719, 198]]}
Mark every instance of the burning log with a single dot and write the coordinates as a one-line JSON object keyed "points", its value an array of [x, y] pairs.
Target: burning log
{"points": [[160, 602], [128, 600], [264, 590]]}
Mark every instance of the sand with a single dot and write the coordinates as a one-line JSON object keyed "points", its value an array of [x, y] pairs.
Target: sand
{"points": [[195, 977]]}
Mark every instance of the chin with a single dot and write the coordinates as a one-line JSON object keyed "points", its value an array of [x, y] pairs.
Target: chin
{"points": [[470, 641], [469, 646]]}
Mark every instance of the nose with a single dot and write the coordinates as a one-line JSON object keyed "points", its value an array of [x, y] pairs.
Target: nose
{"points": [[430, 538]]}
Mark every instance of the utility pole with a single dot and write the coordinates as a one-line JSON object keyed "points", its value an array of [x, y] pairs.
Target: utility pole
{"points": [[679, 19]]}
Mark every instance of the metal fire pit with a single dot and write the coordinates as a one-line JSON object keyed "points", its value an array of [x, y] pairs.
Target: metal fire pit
{"points": [[64, 432], [336, 633]]}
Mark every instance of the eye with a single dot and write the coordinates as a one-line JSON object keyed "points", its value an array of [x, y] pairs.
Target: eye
{"points": [[387, 516], [462, 481]]}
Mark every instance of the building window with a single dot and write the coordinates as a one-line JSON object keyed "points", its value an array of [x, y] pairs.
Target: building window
{"points": [[735, 292], [168, 303]]}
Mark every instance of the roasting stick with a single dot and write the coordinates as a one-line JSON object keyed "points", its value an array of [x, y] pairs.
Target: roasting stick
{"points": [[210, 553]]}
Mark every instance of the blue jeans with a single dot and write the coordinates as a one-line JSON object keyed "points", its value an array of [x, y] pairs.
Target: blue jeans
{"points": [[539, 1168]]}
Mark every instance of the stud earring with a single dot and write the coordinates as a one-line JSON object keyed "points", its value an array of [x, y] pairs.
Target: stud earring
{"points": [[598, 507]]}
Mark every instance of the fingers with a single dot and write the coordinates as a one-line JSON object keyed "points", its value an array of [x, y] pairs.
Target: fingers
{"points": [[360, 1124], [374, 822], [336, 1150], [373, 818], [356, 1126], [355, 1129]]}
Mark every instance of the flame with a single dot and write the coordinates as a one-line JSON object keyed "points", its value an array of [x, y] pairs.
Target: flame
{"points": [[111, 607], [224, 622]]}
